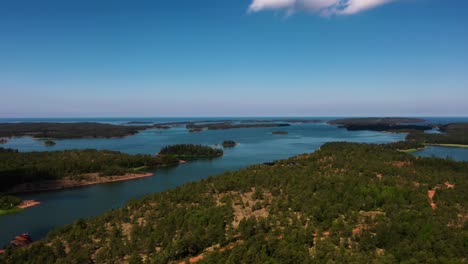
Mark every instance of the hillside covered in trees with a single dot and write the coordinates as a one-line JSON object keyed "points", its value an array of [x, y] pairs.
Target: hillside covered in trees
{"points": [[345, 203]]}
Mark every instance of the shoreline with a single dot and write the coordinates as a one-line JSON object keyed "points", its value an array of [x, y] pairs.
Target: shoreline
{"points": [[449, 145], [24, 204], [93, 178]]}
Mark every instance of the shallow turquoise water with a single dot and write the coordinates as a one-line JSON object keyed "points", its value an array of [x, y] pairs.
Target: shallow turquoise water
{"points": [[257, 145]]}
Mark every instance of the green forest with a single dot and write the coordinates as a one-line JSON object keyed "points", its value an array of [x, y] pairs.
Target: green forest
{"points": [[29, 167], [344, 203], [22, 167]]}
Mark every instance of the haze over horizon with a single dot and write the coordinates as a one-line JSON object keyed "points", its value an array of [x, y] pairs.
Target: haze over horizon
{"points": [[233, 58]]}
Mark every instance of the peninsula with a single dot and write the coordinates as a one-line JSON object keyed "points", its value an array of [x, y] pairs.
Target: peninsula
{"points": [[52, 170]]}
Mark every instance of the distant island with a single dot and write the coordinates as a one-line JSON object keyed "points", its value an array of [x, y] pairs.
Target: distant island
{"points": [[344, 203], [229, 143], [280, 132], [139, 122], [299, 121], [388, 124], [68, 130], [229, 125], [49, 143]]}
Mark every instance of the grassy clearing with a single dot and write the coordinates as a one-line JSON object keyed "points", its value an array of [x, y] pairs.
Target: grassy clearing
{"points": [[141, 169], [450, 145], [10, 211], [408, 150]]}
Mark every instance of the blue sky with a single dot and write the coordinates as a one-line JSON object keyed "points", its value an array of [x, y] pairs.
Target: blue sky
{"points": [[233, 58]]}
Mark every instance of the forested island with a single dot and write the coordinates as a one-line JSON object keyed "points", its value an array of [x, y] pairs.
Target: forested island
{"points": [[49, 143], [229, 144], [175, 154], [345, 203], [388, 124], [293, 121], [280, 132], [67, 130], [230, 125], [452, 135]]}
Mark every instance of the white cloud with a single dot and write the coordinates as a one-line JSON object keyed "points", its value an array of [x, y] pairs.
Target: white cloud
{"points": [[322, 7]]}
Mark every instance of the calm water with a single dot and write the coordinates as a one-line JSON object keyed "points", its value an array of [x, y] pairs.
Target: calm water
{"points": [[257, 145]]}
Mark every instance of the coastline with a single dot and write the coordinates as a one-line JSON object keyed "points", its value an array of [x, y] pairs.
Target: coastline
{"points": [[91, 179], [24, 204], [449, 145], [10, 211]]}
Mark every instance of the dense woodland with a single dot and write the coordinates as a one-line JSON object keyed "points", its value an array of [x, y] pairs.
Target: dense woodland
{"points": [[455, 133], [345, 203], [29, 167], [24, 167]]}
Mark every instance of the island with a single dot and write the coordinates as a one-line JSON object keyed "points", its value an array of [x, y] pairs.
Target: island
{"points": [[346, 203], [49, 143], [230, 125], [195, 130], [229, 144], [387, 124], [452, 135], [180, 153], [280, 132], [68, 130], [292, 121], [139, 122]]}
